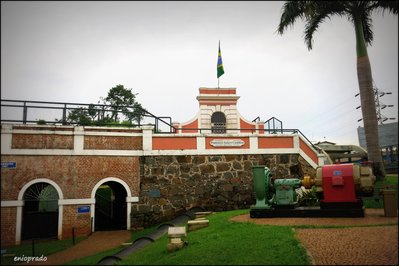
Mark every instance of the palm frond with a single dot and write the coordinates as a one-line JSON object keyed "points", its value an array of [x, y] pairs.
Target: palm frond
{"points": [[311, 27], [291, 11], [315, 12], [390, 6], [367, 29]]}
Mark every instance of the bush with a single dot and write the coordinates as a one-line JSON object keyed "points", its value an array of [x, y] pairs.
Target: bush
{"points": [[308, 198]]}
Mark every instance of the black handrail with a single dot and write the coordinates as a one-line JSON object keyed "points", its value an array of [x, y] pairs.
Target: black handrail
{"points": [[69, 106], [64, 106]]}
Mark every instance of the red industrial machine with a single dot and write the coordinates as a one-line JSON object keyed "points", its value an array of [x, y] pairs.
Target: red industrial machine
{"points": [[338, 183], [338, 187]]}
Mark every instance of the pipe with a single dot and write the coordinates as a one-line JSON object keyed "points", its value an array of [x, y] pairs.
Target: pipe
{"points": [[151, 237]]}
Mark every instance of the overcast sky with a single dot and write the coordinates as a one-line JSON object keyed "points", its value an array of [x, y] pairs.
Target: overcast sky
{"points": [[165, 51]]}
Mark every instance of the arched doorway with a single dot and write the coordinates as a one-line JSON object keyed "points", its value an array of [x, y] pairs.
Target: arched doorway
{"points": [[110, 207], [40, 211]]}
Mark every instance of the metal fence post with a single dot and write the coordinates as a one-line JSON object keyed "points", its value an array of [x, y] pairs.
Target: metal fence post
{"points": [[25, 113], [33, 247], [73, 235], [64, 114]]}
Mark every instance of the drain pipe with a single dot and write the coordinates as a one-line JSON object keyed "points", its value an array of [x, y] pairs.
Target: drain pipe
{"points": [[149, 238]]}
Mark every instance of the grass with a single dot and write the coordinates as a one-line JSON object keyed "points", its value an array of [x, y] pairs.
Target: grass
{"points": [[390, 181], [42, 247], [227, 243]]}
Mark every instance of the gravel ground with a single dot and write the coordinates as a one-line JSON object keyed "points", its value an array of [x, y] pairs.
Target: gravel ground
{"points": [[366, 245], [351, 246]]}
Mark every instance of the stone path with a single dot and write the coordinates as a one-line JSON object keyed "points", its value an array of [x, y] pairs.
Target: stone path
{"points": [[367, 245], [351, 246], [97, 242]]}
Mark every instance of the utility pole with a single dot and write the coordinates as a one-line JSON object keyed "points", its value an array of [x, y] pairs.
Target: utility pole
{"points": [[379, 105]]}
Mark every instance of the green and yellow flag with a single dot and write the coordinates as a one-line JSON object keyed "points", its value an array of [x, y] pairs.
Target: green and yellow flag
{"points": [[220, 63]]}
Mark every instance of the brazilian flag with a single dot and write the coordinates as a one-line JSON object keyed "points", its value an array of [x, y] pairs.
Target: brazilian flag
{"points": [[220, 63]]}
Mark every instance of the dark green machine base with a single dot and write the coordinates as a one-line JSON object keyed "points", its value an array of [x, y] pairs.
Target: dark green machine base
{"points": [[344, 209]]}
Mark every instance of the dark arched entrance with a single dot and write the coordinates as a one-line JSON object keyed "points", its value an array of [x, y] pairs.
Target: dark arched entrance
{"points": [[40, 212], [110, 210]]}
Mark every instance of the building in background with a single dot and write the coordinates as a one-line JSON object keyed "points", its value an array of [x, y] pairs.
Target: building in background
{"points": [[388, 136]]}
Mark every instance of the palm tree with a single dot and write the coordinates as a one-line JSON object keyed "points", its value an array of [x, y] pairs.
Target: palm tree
{"points": [[359, 13]]}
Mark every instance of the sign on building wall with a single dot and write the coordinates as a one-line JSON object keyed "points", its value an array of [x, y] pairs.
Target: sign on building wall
{"points": [[227, 143], [83, 209], [9, 165]]}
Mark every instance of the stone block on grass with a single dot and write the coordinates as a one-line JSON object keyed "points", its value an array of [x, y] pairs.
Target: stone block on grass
{"points": [[202, 214], [197, 224]]}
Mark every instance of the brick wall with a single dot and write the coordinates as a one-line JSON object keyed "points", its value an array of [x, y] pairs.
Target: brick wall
{"points": [[8, 226], [33, 141], [113, 143], [71, 219], [76, 175]]}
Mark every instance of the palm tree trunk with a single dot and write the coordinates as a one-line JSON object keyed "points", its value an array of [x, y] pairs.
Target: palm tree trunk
{"points": [[365, 80]]}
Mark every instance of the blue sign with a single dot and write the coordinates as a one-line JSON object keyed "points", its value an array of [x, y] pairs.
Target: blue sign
{"points": [[154, 193], [83, 209], [10, 165], [337, 173]]}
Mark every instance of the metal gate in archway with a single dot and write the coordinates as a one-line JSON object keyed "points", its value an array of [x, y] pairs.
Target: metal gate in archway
{"points": [[40, 212], [110, 208]]}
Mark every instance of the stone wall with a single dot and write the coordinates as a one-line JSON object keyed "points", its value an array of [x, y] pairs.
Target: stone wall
{"points": [[170, 185]]}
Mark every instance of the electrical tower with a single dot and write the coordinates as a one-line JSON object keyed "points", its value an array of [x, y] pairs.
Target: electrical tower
{"points": [[378, 105]]}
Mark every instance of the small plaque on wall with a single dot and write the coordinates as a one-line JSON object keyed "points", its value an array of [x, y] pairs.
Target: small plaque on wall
{"points": [[154, 193], [83, 209], [227, 142]]}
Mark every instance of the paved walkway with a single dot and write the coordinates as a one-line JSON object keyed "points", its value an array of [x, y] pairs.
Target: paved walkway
{"points": [[97, 242], [365, 245]]}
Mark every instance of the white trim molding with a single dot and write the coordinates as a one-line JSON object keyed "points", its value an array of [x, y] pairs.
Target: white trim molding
{"points": [[76, 201], [132, 199], [12, 203]]}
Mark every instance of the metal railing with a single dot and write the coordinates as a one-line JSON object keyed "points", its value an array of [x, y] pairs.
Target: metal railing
{"points": [[99, 112]]}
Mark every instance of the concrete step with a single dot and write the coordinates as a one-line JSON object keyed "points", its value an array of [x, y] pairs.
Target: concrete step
{"points": [[202, 214], [197, 224]]}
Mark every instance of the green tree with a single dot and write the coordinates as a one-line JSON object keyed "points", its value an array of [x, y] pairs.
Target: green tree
{"points": [[79, 116], [120, 103], [123, 100], [359, 13]]}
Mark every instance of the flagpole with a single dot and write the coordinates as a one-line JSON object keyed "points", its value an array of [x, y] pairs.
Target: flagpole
{"points": [[218, 83]]}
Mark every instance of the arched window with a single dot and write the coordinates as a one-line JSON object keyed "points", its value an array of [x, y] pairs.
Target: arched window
{"points": [[218, 122], [40, 211]]}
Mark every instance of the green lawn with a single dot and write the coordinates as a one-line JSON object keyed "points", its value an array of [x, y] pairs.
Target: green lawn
{"points": [[227, 243]]}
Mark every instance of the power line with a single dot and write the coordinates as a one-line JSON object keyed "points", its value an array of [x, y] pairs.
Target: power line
{"points": [[378, 105]]}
